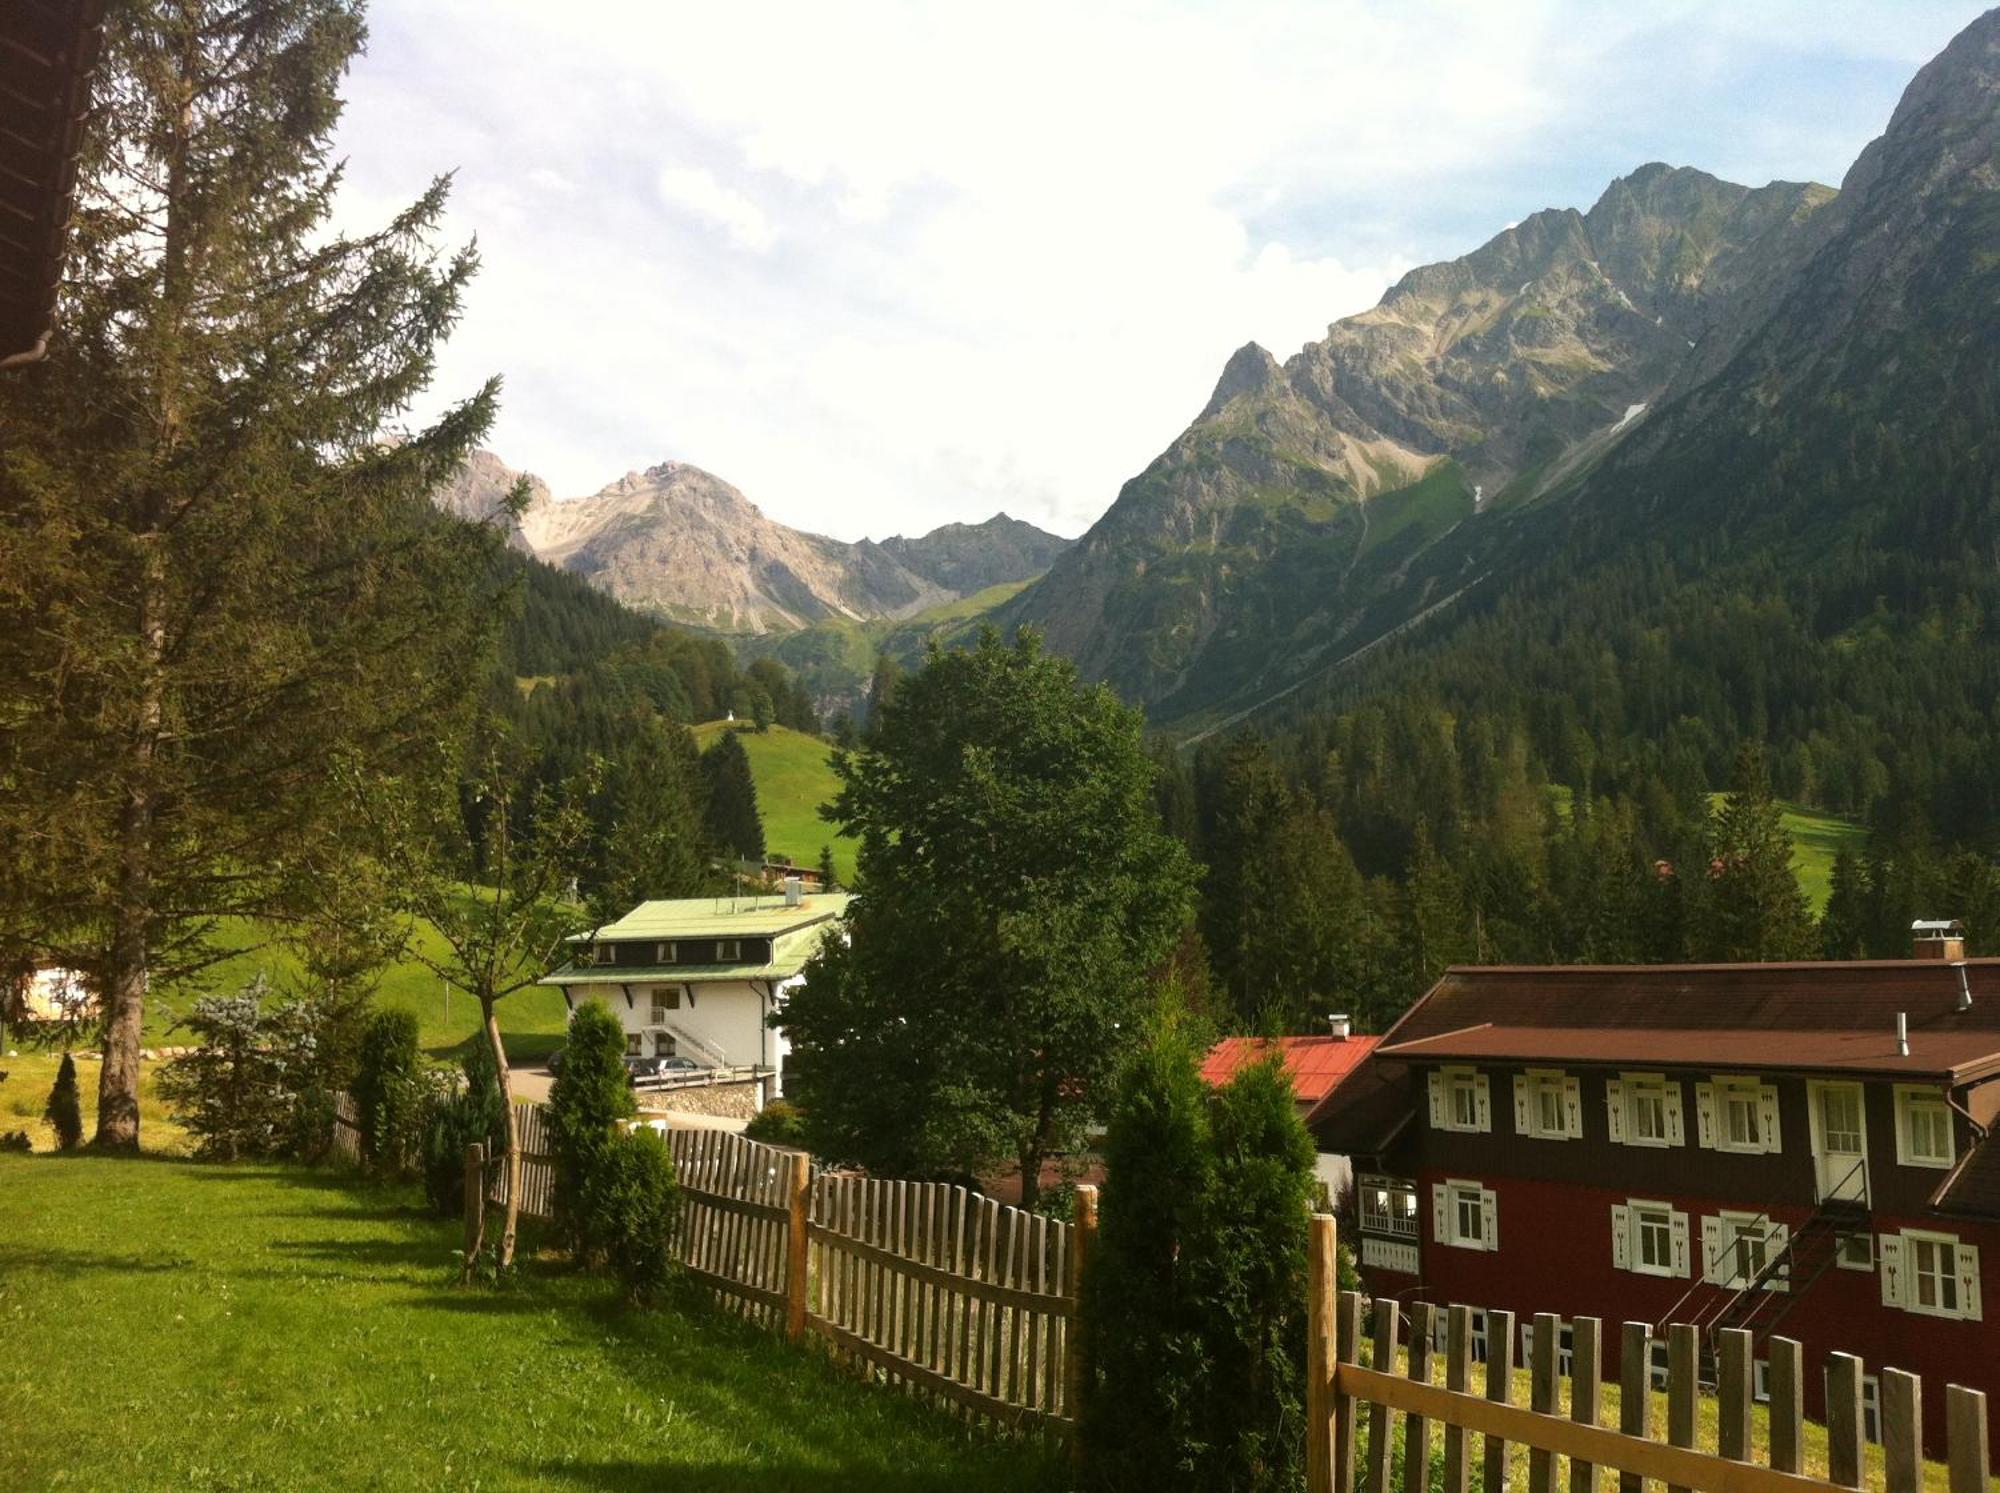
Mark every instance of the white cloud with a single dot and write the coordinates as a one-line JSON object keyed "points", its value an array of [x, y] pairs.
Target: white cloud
{"points": [[884, 265], [708, 199]]}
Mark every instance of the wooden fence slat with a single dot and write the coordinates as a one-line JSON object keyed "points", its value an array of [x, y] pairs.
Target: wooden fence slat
{"points": [[1083, 1239], [1967, 1449], [1586, 1392], [1380, 1434], [1458, 1376], [860, 1347], [1347, 1349], [1845, 1456], [1416, 1429], [1683, 1375], [1542, 1394], [1788, 1404], [1902, 1431], [1322, 1301], [1500, 1390], [1635, 1390], [1733, 1394]]}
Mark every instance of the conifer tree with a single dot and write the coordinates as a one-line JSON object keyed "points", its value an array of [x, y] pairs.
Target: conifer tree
{"points": [[217, 569], [1757, 910], [731, 819], [65, 1107], [1843, 926], [591, 1094]]}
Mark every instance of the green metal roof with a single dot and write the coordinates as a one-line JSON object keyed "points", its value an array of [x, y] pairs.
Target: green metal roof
{"points": [[675, 974], [719, 917]]}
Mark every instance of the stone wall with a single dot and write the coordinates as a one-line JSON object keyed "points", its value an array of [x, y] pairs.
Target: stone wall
{"points": [[729, 1101]]}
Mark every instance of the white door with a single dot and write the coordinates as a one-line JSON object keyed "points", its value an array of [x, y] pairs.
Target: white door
{"points": [[1840, 1142]]}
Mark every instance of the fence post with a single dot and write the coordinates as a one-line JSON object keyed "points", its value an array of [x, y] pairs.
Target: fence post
{"points": [[1082, 1240], [475, 1204], [798, 1193], [1322, 1283]]}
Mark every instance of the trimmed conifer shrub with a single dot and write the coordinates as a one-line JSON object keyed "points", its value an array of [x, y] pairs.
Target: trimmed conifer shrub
{"points": [[630, 1200], [461, 1117], [389, 1091], [1247, 1261], [779, 1123], [1142, 1416], [65, 1107], [590, 1096]]}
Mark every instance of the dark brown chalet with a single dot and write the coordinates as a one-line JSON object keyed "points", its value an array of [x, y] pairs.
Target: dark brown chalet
{"points": [[1804, 1148]]}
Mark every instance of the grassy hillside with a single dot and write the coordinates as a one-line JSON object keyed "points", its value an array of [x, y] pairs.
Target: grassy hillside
{"points": [[794, 775], [169, 1325]]}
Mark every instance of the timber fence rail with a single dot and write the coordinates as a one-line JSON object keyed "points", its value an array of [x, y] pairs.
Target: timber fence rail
{"points": [[1355, 1366], [345, 1145], [946, 1294]]}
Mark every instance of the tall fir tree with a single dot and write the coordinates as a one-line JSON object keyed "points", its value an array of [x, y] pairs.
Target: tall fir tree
{"points": [[1843, 926], [218, 570], [1757, 910], [730, 816]]}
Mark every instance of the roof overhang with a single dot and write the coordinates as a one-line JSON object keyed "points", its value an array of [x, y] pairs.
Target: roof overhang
{"points": [[48, 50]]}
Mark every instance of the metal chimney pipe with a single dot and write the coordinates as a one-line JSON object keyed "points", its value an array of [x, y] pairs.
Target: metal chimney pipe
{"points": [[1964, 988], [1340, 1025], [1902, 1034]]}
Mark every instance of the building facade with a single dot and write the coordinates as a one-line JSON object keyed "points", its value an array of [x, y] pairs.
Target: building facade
{"points": [[1747, 1146], [699, 978]]}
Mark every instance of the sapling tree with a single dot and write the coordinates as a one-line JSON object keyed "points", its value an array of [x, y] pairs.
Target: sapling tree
{"points": [[65, 1108]]}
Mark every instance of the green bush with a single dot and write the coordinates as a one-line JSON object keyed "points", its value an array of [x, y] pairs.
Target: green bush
{"points": [[459, 1116], [779, 1123], [239, 1092], [1147, 1365], [65, 1108], [630, 1199], [590, 1096], [390, 1089]]}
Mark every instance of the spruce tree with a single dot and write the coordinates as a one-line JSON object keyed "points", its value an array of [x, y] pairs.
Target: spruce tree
{"points": [[65, 1108], [221, 561], [731, 819], [1843, 926], [1757, 910], [1142, 1424], [591, 1094]]}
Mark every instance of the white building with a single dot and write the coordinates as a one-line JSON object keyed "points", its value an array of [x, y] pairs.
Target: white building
{"points": [[697, 978]]}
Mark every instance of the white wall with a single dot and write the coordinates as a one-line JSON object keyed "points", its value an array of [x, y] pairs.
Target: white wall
{"points": [[728, 1016]]}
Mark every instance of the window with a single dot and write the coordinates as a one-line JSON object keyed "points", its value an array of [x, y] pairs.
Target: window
{"points": [[1388, 1206], [604, 953], [1464, 1214], [1643, 1109], [1649, 1238], [1476, 1335], [663, 1045], [666, 953], [1738, 1114], [1760, 1380], [1855, 1252], [1871, 1408], [665, 998], [728, 950], [1565, 1347], [1923, 1127], [1935, 1274], [1460, 1100], [1547, 1105], [1737, 1246], [1659, 1362], [635, 1045]]}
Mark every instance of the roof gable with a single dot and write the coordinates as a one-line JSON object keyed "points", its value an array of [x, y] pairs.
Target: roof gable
{"points": [[1316, 1064]]}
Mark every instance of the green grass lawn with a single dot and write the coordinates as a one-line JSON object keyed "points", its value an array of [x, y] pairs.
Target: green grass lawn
{"points": [[171, 1325], [794, 776]]}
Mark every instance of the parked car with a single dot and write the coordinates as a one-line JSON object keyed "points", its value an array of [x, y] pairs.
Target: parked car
{"points": [[658, 1070]]}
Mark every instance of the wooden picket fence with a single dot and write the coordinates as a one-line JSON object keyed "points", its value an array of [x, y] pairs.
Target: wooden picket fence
{"points": [[1340, 1386], [345, 1147], [942, 1292]]}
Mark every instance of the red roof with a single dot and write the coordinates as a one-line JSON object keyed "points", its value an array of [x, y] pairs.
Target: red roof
{"points": [[1316, 1064]]}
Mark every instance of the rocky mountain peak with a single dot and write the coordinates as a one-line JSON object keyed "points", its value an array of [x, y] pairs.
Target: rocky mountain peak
{"points": [[1250, 370]]}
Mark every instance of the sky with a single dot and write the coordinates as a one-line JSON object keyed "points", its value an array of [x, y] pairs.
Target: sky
{"points": [[887, 266]]}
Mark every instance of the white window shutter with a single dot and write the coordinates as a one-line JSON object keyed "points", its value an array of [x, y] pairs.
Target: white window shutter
{"points": [[1676, 1125], [1704, 1108], [1889, 1250], [1614, 1110], [1573, 1107], [1621, 1237], [1767, 1116], [1968, 1281], [1483, 1091], [1776, 1243], [1713, 1269], [1489, 1218], [1440, 1214], [1437, 1101], [1521, 1121], [1680, 1232]]}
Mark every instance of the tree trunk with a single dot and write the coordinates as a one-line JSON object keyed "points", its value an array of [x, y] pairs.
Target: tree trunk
{"points": [[124, 992], [512, 1217], [1031, 1179]]}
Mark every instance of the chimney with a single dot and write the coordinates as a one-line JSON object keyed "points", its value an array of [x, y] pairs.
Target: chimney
{"points": [[1340, 1026], [795, 891], [1902, 1034], [1937, 938]]}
